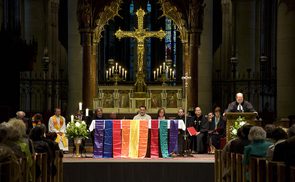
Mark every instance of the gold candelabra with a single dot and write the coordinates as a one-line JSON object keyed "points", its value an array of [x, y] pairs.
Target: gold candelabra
{"points": [[165, 73], [115, 72]]}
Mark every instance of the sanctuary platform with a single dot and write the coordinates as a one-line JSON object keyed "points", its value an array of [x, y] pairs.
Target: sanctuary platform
{"points": [[199, 168]]}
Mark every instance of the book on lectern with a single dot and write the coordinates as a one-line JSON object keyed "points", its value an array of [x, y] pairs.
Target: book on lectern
{"points": [[192, 131]]}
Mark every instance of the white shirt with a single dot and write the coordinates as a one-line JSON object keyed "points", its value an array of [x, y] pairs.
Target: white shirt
{"points": [[140, 117]]}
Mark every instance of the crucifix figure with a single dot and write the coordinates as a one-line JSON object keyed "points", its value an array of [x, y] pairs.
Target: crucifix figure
{"points": [[140, 34]]}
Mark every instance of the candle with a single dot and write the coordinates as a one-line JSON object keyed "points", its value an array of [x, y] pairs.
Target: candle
{"points": [[113, 69], [107, 74], [80, 106], [154, 75], [160, 69], [173, 74], [72, 117], [170, 73], [86, 112], [125, 74], [120, 69], [157, 72], [116, 66], [110, 72], [163, 64]]}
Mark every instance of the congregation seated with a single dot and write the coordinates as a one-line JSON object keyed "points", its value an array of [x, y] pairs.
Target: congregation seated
{"points": [[257, 148], [278, 135], [285, 151]]}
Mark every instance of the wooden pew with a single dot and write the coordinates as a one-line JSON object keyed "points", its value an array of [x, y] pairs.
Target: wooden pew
{"points": [[24, 170], [233, 165], [240, 168], [58, 177], [257, 169], [276, 171], [41, 161], [218, 166]]}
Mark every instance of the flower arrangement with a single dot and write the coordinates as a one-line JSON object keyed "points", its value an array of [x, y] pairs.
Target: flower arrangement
{"points": [[77, 128], [240, 121]]}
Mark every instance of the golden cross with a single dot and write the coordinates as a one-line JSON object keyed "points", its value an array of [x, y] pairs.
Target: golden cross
{"points": [[140, 34]]}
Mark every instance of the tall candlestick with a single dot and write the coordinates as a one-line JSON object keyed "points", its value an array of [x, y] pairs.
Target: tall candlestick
{"points": [[80, 106], [86, 112], [72, 117]]}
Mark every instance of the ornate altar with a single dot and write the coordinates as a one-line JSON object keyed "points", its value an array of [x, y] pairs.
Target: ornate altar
{"points": [[123, 99]]}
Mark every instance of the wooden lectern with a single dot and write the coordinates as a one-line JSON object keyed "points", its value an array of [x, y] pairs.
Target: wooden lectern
{"points": [[231, 117]]}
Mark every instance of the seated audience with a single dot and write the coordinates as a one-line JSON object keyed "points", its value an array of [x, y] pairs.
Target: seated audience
{"points": [[257, 148], [278, 136]]}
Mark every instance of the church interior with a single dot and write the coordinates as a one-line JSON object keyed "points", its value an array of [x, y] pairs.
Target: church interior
{"points": [[116, 56]]}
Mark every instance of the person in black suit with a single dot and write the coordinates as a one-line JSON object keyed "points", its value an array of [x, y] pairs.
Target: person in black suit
{"points": [[198, 143], [240, 105], [217, 128]]}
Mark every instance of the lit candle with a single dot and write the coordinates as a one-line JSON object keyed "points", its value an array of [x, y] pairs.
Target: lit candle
{"points": [[170, 73], [157, 72], [116, 66], [72, 117], [125, 74], [107, 74], [113, 69], [120, 69], [80, 106], [163, 64], [154, 75], [110, 72], [167, 69], [173, 74], [160, 69], [86, 112]]}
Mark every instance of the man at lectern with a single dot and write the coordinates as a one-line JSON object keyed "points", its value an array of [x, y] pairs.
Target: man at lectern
{"points": [[240, 105]]}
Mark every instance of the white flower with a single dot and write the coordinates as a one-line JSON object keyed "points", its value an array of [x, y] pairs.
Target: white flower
{"points": [[83, 122], [68, 124], [242, 123], [234, 131], [77, 124]]}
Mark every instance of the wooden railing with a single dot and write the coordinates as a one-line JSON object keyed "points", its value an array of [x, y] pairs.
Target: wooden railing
{"points": [[27, 173], [231, 169]]}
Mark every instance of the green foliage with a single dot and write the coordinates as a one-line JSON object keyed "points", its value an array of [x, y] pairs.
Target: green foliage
{"points": [[77, 128]]}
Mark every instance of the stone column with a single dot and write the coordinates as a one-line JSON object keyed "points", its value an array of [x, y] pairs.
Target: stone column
{"points": [[191, 64], [89, 68], [205, 60], [74, 59], [246, 45], [285, 59]]}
